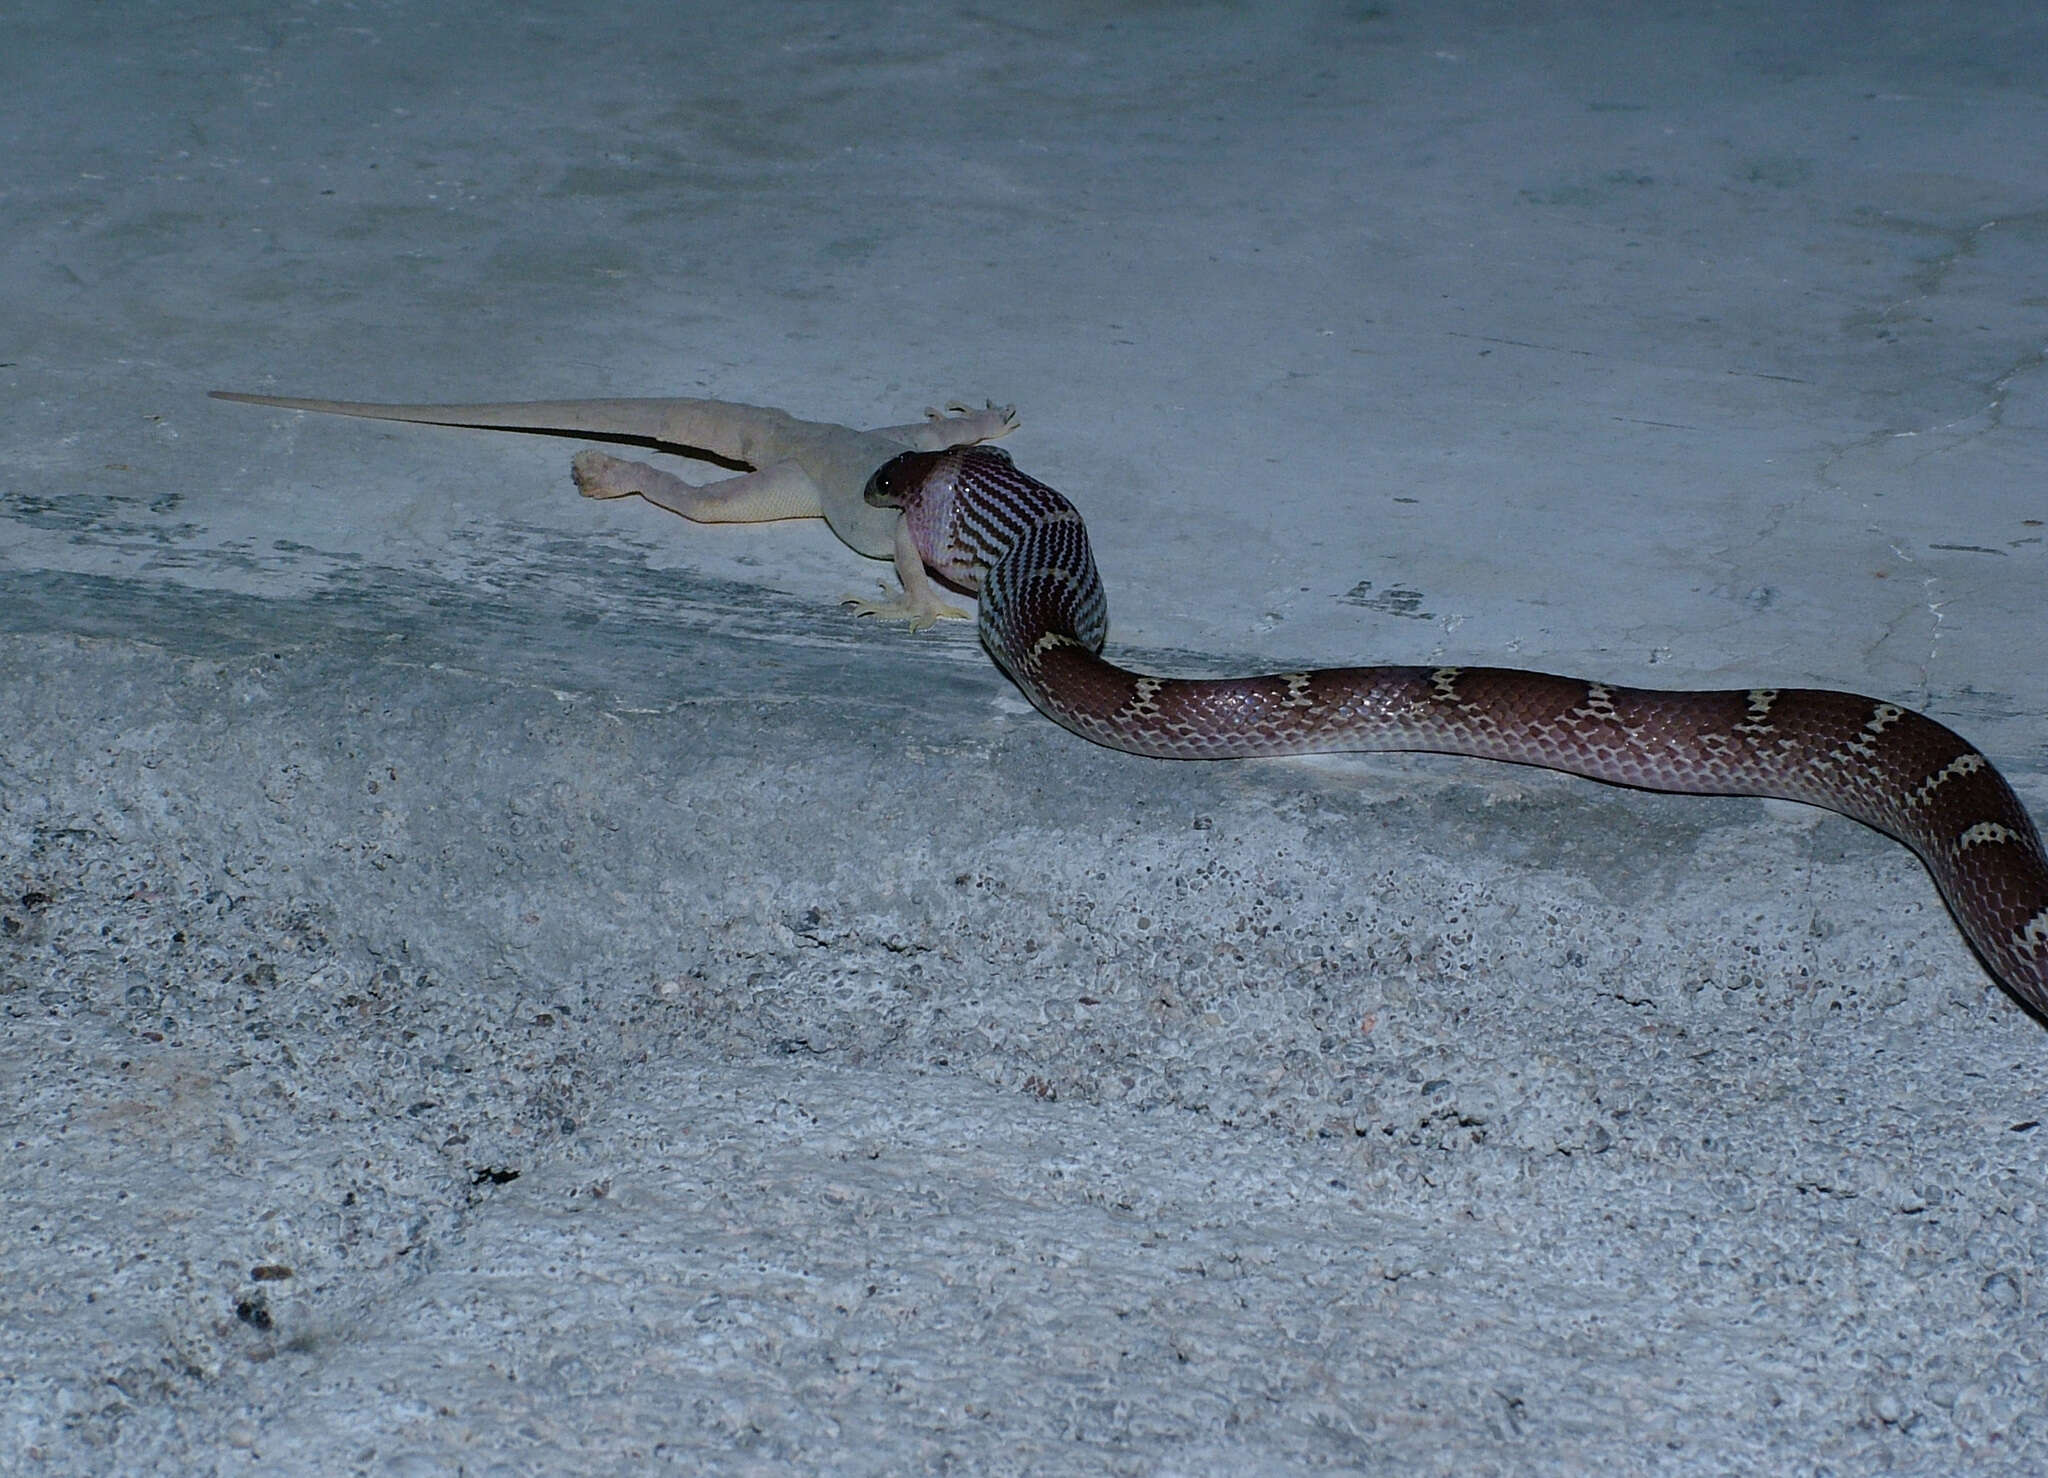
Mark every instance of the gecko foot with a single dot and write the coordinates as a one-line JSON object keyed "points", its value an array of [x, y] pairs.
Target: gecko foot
{"points": [[919, 614], [601, 476], [987, 424]]}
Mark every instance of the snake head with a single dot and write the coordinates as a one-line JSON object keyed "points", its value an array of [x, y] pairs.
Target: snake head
{"points": [[925, 480], [898, 482]]}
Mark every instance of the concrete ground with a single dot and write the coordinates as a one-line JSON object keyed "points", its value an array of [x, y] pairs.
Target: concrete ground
{"points": [[495, 983]]}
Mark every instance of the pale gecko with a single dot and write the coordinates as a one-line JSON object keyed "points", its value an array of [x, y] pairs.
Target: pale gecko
{"points": [[802, 469]]}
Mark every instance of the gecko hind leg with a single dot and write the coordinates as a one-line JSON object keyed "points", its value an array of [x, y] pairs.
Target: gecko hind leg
{"points": [[779, 490]]}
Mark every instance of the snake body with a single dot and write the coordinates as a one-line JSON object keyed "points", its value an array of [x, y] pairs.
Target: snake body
{"points": [[988, 528]]}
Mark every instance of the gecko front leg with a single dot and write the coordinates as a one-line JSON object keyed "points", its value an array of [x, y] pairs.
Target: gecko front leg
{"points": [[920, 603]]}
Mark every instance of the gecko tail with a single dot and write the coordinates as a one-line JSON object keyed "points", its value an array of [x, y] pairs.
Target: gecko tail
{"points": [[726, 430]]}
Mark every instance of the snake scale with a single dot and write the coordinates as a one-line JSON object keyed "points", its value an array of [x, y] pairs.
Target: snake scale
{"points": [[986, 527]]}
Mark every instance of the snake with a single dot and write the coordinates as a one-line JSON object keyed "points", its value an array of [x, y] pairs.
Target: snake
{"points": [[1018, 544]]}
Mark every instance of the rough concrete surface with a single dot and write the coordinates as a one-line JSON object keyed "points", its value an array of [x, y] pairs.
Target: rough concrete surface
{"points": [[492, 983]]}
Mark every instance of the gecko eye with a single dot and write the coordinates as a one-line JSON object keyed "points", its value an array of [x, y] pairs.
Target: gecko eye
{"points": [[897, 481]]}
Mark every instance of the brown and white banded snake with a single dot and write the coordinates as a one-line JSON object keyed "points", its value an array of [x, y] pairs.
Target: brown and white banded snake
{"points": [[984, 526]]}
